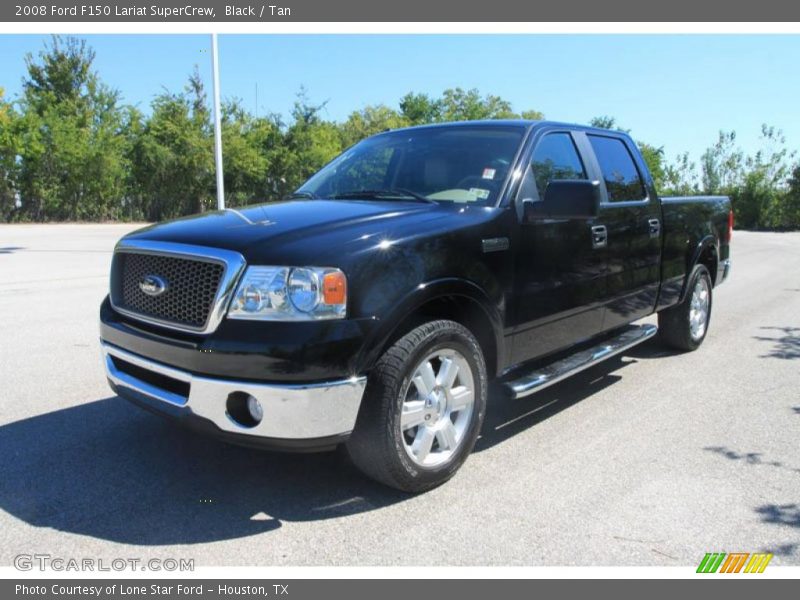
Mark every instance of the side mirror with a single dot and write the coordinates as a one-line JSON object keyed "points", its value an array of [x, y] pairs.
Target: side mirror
{"points": [[566, 199]]}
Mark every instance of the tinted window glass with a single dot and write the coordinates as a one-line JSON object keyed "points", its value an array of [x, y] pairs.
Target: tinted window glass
{"points": [[369, 173], [619, 171], [446, 164], [556, 157]]}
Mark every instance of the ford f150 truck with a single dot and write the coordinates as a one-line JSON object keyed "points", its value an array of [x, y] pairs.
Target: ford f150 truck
{"points": [[373, 307]]}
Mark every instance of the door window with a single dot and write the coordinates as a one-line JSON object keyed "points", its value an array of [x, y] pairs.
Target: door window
{"points": [[556, 158], [622, 178]]}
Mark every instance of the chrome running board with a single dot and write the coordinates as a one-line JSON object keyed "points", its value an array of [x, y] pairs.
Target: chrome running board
{"points": [[546, 376]]}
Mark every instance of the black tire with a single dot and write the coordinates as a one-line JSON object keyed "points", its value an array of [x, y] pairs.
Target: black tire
{"points": [[674, 326], [377, 445]]}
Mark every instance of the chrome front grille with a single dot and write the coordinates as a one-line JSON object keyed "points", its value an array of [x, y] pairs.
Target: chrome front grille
{"points": [[191, 286], [194, 283]]}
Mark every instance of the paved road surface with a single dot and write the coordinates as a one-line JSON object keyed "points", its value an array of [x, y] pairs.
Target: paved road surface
{"points": [[649, 459]]}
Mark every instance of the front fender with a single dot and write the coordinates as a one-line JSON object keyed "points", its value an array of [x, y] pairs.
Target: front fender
{"points": [[414, 300]]}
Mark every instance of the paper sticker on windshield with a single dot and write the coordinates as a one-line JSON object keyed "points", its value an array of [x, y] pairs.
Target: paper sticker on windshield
{"points": [[479, 193], [489, 173]]}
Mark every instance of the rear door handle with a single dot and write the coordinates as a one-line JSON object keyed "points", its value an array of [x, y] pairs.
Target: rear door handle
{"points": [[599, 236], [654, 226]]}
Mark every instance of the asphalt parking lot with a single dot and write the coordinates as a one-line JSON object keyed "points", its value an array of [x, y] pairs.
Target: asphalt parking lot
{"points": [[653, 458]]}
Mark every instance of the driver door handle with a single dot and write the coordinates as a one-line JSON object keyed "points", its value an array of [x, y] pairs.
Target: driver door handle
{"points": [[599, 236]]}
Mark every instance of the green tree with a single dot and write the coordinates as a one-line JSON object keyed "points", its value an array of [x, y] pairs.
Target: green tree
{"points": [[369, 121], [419, 109], [458, 104], [533, 115], [133, 200], [606, 122], [71, 152], [308, 143], [760, 197], [791, 207], [758, 184], [245, 140], [680, 177], [654, 159], [753, 200], [172, 158], [722, 165], [9, 146]]}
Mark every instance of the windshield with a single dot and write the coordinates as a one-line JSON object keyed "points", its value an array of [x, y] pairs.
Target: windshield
{"points": [[450, 164]]}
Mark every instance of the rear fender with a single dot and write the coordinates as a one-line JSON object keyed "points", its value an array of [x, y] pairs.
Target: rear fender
{"points": [[708, 243]]}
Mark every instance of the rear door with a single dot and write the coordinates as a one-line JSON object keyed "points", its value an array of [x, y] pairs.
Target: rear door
{"points": [[631, 215]]}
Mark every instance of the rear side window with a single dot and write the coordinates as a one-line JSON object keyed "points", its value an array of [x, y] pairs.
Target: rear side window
{"points": [[619, 171], [555, 158]]}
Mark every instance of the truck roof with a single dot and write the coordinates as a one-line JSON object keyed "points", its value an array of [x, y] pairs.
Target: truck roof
{"points": [[521, 123]]}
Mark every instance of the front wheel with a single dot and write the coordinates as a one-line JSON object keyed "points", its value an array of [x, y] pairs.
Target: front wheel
{"points": [[684, 326], [423, 408]]}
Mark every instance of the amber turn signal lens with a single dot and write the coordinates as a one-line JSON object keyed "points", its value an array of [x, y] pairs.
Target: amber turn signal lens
{"points": [[334, 288]]}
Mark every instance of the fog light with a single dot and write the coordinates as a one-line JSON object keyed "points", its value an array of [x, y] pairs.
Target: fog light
{"points": [[254, 407], [243, 409]]}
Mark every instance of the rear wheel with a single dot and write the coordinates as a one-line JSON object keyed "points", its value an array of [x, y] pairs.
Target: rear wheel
{"points": [[423, 408], [684, 326]]}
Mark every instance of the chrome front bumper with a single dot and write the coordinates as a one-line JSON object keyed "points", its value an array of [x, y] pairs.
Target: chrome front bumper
{"points": [[292, 412]]}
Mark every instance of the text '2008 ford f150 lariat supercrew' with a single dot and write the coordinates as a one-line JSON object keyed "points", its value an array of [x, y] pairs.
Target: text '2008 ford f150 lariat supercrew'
{"points": [[373, 306]]}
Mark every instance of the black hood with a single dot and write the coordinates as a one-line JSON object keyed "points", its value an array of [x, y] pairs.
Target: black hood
{"points": [[304, 231]]}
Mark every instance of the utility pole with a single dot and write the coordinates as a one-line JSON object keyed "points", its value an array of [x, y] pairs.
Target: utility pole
{"points": [[217, 126]]}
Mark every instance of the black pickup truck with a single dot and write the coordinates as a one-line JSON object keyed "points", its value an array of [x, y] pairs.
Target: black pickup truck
{"points": [[373, 307]]}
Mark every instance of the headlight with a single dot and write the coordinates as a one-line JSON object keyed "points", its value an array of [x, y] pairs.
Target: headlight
{"points": [[304, 289], [290, 294]]}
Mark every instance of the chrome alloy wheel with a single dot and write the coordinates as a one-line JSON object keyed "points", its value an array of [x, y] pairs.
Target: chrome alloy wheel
{"points": [[438, 402], [698, 309]]}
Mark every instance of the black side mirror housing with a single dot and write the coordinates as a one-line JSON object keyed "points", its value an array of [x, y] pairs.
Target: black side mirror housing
{"points": [[566, 199]]}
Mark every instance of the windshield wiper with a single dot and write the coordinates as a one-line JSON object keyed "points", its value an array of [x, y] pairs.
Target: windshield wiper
{"points": [[383, 193], [298, 195]]}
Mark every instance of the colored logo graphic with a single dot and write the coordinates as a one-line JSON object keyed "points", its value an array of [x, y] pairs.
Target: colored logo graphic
{"points": [[735, 562]]}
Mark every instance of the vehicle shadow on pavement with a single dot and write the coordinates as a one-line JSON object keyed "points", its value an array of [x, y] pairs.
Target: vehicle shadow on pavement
{"points": [[652, 348], [506, 417], [111, 471]]}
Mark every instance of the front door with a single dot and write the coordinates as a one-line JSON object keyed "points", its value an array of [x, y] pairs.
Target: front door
{"points": [[559, 273]]}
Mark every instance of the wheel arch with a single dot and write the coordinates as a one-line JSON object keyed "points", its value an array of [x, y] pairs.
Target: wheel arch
{"points": [[706, 254], [458, 300]]}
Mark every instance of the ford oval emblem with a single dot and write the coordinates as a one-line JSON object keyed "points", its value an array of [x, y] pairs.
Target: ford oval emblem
{"points": [[153, 285]]}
